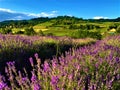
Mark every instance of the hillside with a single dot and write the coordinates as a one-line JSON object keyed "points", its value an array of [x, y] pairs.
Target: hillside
{"points": [[59, 26]]}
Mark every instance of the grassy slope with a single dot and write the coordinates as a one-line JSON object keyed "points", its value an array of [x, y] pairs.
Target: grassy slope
{"points": [[63, 30]]}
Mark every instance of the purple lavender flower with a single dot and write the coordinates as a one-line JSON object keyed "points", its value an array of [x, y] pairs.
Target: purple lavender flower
{"points": [[46, 67], [70, 77], [33, 78], [31, 61], [57, 88], [54, 80], [117, 59], [37, 86], [2, 85], [36, 55], [35, 83], [54, 63], [24, 79], [118, 77]]}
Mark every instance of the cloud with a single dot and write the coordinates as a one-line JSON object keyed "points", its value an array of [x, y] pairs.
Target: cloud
{"points": [[7, 14], [6, 10], [43, 14], [100, 17]]}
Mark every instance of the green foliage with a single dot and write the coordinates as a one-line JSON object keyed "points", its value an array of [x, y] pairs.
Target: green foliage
{"points": [[5, 31], [49, 34], [118, 29], [20, 32], [96, 35], [30, 31], [86, 33], [112, 26], [60, 26], [84, 27], [74, 27], [40, 33]]}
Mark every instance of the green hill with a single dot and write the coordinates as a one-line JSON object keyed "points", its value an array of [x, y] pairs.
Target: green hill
{"points": [[60, 26]]}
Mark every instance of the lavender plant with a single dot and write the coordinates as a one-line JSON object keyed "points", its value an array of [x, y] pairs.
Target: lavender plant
{"points": [[95, 67], [19, 48]]}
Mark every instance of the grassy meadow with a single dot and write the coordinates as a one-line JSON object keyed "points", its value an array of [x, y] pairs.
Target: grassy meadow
{"points": [[63, 53]]}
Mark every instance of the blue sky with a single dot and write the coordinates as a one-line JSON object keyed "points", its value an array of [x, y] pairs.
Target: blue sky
{"points": [[79, 8]]}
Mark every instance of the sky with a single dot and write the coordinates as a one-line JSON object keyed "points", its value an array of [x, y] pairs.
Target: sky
{"points": [[25, 9]]}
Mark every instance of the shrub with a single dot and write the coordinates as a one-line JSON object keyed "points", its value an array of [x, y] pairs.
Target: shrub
{"points": [[30, 31], [86, 33], [41, 33], [96, 35], [6, 31], [49, 34], [95, 67], [20, 32], [118, 29]]}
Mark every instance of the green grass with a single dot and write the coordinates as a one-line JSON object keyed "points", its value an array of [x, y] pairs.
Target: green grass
{"points": [[60, 32], [63, 30], [51, 28]]}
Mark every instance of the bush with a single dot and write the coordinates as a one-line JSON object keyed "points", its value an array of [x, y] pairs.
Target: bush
{"points": [[112, 26], [79, 34], [20, 32], [49, 34], [96, 35], [5, 31], [118, 29], [85, 34], [30, 31], [94, 67], [41, 33]]}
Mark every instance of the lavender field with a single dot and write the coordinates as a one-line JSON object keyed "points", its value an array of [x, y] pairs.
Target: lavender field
{"points": [[19, 48], [91, 67]]}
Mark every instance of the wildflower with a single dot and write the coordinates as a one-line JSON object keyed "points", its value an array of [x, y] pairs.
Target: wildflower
{"points": [[36, 55], [54, 63], [31, 61], [46, 67], [33, 78], [2, 85], [54, 80], [37, 86], [117, 59], [70, 77], [35, 82]]}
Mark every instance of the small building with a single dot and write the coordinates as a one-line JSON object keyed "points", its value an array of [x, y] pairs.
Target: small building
{"points": [[112, 31]]}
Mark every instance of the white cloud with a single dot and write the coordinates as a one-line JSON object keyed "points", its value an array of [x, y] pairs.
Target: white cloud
{"points": [[8, 14], [54, 11], [6, 10], [100, 17], [16, 18], [43, 14]]}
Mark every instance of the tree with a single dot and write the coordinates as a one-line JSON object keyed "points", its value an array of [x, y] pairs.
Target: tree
{"points": [[5, 31], [118, 29], [41, 33], [30, 31]]}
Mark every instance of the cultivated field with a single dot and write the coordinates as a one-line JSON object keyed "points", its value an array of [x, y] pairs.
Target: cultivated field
{"points": [[91, 67]]}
